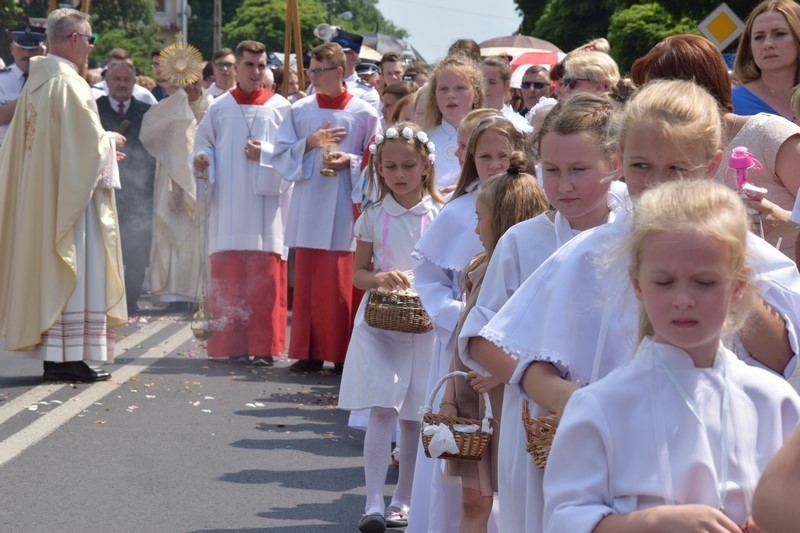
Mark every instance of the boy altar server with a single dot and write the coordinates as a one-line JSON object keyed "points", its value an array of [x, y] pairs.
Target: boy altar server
{"points": [[334, 125], [247, 205]]}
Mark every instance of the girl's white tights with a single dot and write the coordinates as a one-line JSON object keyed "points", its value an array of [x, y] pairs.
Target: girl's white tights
{"points": [[377, 447]]}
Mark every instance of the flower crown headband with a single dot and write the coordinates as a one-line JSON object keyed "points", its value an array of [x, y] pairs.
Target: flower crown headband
{"points": [[408, 134]]}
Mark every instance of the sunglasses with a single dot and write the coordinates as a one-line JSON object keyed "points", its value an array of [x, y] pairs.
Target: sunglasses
{"points": [[571, 83], [538, 85], [89, 38]]}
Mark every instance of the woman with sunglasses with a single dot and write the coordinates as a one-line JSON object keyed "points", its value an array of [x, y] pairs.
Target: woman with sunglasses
{"points": [[591, 71]]}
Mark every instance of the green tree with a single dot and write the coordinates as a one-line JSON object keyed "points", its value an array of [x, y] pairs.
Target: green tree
{"points": [[530, 10], [366, 17], [129, 24], [699, 9], [570, 23], [265, 21], [633, 31], [10, 14], [201, 24]]}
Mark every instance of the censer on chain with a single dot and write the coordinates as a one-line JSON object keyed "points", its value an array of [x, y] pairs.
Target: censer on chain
{"points": [[201, 323], [201, 320]]}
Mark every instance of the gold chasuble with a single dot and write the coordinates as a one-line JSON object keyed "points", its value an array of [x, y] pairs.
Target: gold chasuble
{"points": [[50, 162]]}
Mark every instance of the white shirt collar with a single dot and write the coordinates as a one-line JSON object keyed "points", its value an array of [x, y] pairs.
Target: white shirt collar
{"points": [[115, 103], [17, 72], [391, 206]]}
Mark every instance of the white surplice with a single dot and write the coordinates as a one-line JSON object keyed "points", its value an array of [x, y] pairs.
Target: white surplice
{"points": [[590, 322], [519, 252], [444, 253], [630, 441], [249, 198], [321, 212]]}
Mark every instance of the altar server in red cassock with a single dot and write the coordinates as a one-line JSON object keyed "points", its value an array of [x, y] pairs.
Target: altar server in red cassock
{"points": [[335, 125], [248, 200]]}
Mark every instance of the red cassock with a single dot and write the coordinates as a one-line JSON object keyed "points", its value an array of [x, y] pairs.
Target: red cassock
{"points": [[247, 302], [323, 305]]}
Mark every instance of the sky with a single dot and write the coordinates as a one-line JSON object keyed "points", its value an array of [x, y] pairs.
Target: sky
{"points": [[433, 25]]}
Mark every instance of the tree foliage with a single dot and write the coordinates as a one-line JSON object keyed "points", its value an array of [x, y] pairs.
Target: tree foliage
{"points": [[366, 17], [631, 27], [201, 23], [570, 23], [265, 21], [10, 14], [129, 24], [530, 10], [635, 30]]}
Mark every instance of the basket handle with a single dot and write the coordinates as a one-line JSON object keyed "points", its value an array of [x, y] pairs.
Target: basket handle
{"points": [[487, 404]]}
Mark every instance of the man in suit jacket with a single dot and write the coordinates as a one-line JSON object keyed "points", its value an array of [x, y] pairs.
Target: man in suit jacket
{"points": [[137, 174]]}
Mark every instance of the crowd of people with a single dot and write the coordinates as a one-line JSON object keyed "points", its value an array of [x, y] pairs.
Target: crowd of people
{"points": [[577, 243]]}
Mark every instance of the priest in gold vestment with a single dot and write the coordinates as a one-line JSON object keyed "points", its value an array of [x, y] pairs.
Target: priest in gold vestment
{"points": [[178, 249], [61, 279]]}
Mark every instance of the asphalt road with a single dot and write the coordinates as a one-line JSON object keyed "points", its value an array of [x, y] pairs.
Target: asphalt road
{"points": [[176, 442]]}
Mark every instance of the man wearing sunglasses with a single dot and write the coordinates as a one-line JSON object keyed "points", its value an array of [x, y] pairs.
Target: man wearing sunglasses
{"points": [[535, 85], [61, 273]]}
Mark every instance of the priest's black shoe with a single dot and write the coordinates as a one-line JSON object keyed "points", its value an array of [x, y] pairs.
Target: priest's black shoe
{"points": [[73, 371]]}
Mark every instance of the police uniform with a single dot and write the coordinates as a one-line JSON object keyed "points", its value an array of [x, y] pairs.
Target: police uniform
{"points": [[358, 87], [13, 78]]}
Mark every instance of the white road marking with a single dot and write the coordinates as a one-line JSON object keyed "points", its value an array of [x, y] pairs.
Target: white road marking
{"points": [[39, 393], [46, 424]]}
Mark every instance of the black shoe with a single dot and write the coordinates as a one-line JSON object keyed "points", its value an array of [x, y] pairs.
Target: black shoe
{"points": [[73, 371], [179, 307], [306, 365], [338, 368], [262, 360]]}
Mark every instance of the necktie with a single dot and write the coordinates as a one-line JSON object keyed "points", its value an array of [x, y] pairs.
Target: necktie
{"points": [[121, 109], [24, 78]]}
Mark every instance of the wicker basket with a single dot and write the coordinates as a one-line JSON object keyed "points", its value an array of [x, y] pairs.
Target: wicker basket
{"points": [[539, 434], [470, 445], [396, 312]]}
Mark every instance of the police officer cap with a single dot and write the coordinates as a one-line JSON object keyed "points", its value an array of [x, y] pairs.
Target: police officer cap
{"points": [[350, 42], [26, 36], [367, 68]]}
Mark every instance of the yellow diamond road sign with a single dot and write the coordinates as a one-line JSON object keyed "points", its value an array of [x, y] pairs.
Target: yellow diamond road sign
{"points": [[722, 26]]}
